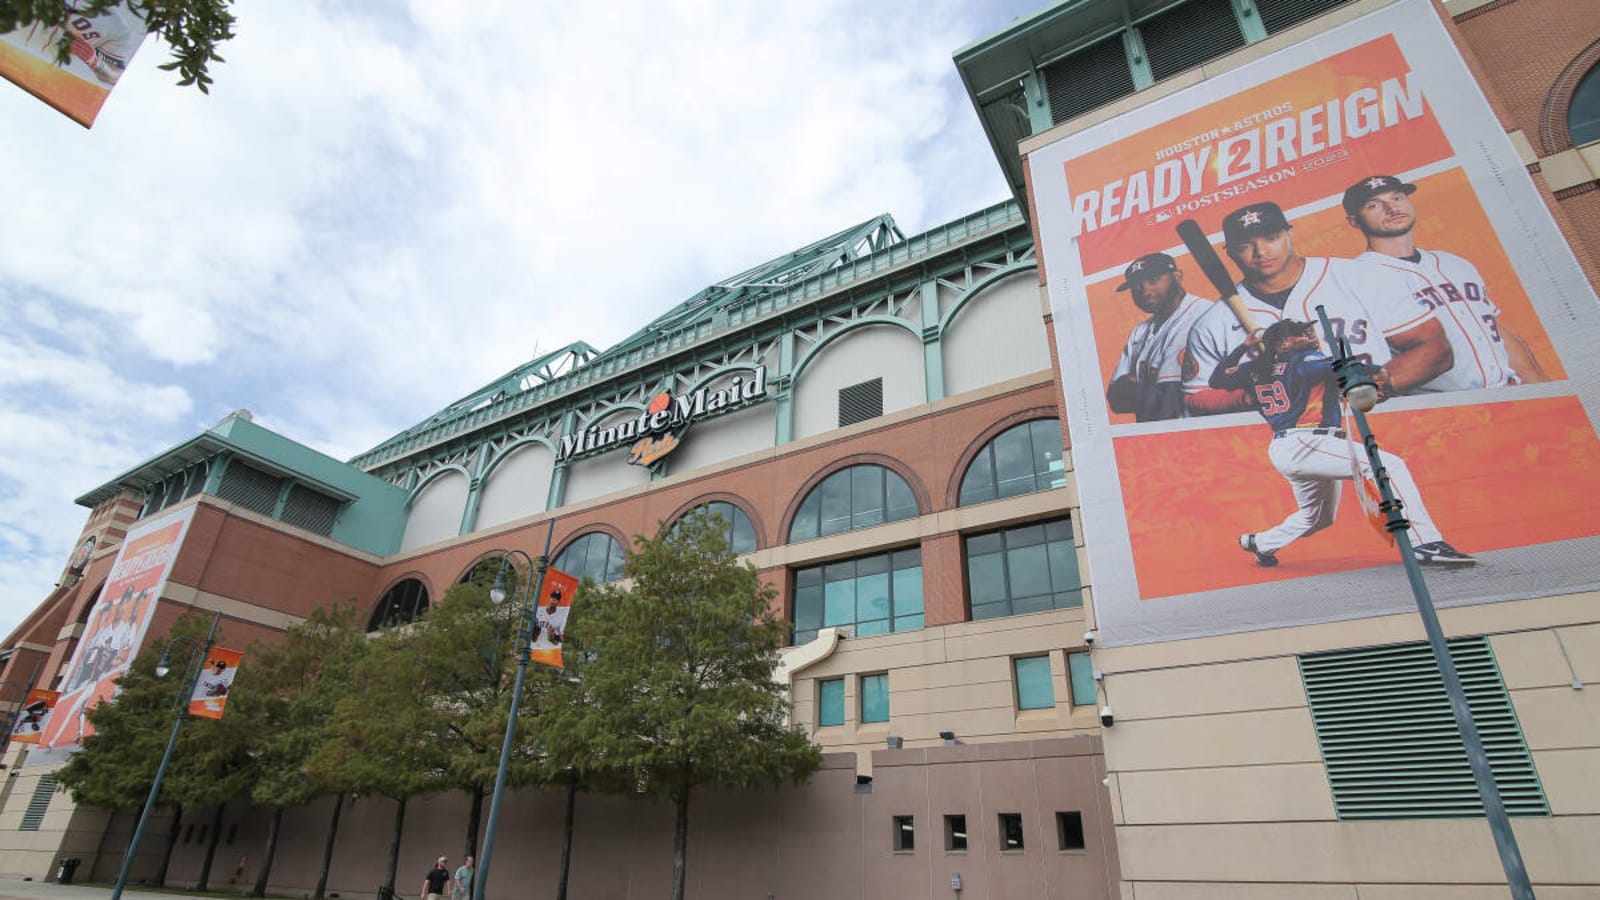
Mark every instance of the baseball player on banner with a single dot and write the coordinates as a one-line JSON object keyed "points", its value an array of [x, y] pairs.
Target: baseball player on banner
{"points": [[1292, 384], [1148, 381]]}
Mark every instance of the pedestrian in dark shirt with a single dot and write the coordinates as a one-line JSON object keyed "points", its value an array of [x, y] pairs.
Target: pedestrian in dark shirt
{"points": [[437, 881]]}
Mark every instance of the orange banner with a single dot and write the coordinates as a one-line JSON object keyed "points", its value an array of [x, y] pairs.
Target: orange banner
{"points": [[32, 716], [210, 695], [550, 620], [99, 48]]}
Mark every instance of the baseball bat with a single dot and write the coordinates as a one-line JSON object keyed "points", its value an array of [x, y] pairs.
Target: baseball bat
{"points": [[1205, 256]]}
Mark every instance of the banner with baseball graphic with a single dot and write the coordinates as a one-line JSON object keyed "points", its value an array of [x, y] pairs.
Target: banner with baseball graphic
{"points": [[116, 626], [33, 715], [1189, 245], [550, 620], [210, 695], [99, 48]]}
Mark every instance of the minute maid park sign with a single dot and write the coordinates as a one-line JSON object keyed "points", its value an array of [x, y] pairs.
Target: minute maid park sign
{"points": [[658, 430]]}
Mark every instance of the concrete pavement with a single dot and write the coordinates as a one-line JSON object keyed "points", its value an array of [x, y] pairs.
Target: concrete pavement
{"points": [[14, 888]]}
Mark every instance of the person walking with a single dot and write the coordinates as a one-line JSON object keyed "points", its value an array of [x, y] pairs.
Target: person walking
{"points": [[462, 889], [436, 881]]}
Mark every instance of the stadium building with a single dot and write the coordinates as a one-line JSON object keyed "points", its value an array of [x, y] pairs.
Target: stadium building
{"points": [[908, 437]]}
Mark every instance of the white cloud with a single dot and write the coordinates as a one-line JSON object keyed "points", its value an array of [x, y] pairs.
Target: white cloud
{"points": [[374, 213]]}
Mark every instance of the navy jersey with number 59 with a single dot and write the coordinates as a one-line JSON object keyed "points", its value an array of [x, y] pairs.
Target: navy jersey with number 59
{"points": [[1297, 392]]}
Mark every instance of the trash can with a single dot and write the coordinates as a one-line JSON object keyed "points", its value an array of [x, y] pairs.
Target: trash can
{"points": [[68, 867]]}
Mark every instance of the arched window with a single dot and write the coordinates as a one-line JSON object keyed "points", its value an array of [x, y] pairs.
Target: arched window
{"points": [[486, 570], [741, 533], [596, 555], [1019, 460], [857, 497], [402, 604], [1583, 115]]}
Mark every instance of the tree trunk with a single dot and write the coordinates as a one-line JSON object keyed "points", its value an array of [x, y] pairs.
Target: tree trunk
{"points": [[260, 890], [680, 840], [566, 837], [172, 844], [327, 848], [394, 843], [211, 849], [474, 818]]}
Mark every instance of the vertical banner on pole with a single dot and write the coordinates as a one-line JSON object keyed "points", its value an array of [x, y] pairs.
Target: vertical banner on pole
{"points": [[216, 679], [550, 622], [33, 715]]}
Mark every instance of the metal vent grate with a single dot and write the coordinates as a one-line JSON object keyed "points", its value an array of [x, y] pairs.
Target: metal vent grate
{"points": [[252, 489], [860, 402], [1187, 35], [1276, 15], [42, 792], [1090, 78], [310, 510], [1390, 742]]}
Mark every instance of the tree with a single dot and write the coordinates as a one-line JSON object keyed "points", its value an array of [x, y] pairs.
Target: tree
{"points": [[285, 695], [214, 763], [680, 676], [192, 28], [118, 763]]}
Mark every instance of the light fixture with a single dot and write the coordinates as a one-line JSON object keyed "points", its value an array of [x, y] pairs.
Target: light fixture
{"points": [[949, 737], [497, 594], [165, 665]]}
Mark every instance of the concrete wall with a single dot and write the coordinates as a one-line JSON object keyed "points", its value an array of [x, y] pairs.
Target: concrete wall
{"points": [[518, 486], [435, 512], [996, 335], [875, 351]]}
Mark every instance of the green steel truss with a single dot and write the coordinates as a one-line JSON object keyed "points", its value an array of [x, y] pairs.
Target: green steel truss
{"points": [[778, 314]]}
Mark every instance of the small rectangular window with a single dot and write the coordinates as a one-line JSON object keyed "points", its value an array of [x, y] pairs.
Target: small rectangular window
{"points": [[830, 702], [1033, 683], [875, 698], [1082, 672], [905, 833], [955, 833], [1069, 830], [1010, 831]]}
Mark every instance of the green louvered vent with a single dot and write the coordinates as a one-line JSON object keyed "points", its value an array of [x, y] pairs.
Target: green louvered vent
{"points": [[42, 792], [310, 510], [1390, 742], [1186, 36], [1277, 15], [251, 488], [1088, 79]]}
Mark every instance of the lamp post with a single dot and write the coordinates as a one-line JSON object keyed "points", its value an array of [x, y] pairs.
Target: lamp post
{"points": [[193, 667], [1362, 394], [527, 603]]}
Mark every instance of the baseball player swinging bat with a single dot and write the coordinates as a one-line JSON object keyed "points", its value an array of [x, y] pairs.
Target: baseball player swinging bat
{"points": [[1205, 256]]}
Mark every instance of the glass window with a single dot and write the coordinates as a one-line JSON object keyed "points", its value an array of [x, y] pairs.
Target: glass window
{"points": [[1033, 683], [1029, 568], [1081, 671], [1069, 830], [905, 833], [1010, 831], [741, 533], [596, 555], [875, 594], [955, 832], [857, 497], [830, 702], [402, 604], [1020, 460], [1583, 115], [875, 698]]}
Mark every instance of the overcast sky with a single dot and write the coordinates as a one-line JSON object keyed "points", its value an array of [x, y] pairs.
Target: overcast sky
{"points": [[380, 207]]}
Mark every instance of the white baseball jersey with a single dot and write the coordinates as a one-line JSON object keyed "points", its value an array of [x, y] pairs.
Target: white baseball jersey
{"points": [[114, 35], [1454, 288], [1154, 353], [1366, 303]]}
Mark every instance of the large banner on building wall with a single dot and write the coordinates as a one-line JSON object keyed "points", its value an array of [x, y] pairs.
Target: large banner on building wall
{"points": [[99, 49], [116, 627], [1361, 171]]}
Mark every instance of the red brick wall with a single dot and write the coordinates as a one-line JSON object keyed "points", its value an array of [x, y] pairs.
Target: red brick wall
{"points": [[1522, 47]]}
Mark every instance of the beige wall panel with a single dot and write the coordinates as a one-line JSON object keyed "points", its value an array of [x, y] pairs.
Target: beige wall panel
{"points": [[1147, 890], [991, 695], [1531, 659], [1469, 892], [1234, 739], [1025, 635], [519, 486], [435, 514], [601, 475], [873, 351], [1005, 315], [951, 674], [969, 725], [1202, 690], [1240, 794], [1442, 851], [725, 437], [1571, 780], [1559, 717], [1583, 645], [882, 655]]}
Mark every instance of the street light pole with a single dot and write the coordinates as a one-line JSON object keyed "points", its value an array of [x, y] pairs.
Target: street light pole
{"points": [[527, 606], [196, 664], [1362, 394]]}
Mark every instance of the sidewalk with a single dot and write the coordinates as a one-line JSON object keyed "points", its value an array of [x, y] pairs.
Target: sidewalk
{"points": [[14, 888]]}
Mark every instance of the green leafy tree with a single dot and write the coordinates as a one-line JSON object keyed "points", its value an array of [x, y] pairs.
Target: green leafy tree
{"points": [[679, 677], [192, 28], [214, 764], [283, 699], [118, 763]]}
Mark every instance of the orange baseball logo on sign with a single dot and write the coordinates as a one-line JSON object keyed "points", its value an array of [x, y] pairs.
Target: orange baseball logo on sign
{"points": [[210, 695], [550, 619]]}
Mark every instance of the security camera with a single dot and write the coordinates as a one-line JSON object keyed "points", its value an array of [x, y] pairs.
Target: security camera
{"points": [[1106, 718], [1090, 636]]}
